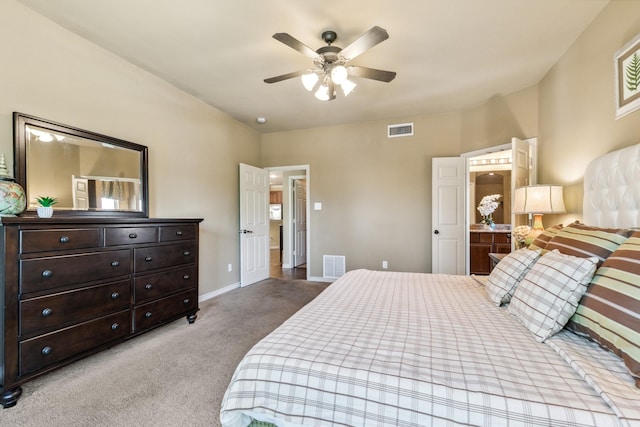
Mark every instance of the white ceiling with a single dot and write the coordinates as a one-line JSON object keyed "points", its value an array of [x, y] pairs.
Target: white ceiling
{"points": [[449, 55]]}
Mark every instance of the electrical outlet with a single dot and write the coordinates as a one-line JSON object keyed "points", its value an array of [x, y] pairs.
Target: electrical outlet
{"points": [[385, 264], [229, 267]]}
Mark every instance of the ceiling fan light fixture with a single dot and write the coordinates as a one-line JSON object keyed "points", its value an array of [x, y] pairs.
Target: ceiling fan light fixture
{"points": [[309, 80], [323, 93], [347, 86], [339, 74]]}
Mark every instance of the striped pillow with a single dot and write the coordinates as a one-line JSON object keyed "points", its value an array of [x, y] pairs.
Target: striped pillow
{"points": [[584, 241], [609, 313], [543, 238], [506, 275], [548, 295]]}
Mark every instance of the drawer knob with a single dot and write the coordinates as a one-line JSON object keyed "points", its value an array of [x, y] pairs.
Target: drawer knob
{"points": [[185, 301], [186, 253], [47, 273], [64, 239], [148, 286], [47, 312], [147, 314], [148, 258], [133, 235], [185, 277], [178, 233], [115, 264], [46, 351], [115, 326], [115, 295]]}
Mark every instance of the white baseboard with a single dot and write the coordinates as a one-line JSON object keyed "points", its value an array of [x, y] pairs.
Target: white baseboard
{"points": [[217, 292], [320, 279]]}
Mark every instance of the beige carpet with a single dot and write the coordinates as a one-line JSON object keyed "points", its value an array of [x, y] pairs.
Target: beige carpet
{"points": [[173, 376]]}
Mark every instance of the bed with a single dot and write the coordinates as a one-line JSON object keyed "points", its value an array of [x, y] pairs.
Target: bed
{"points": [[410, 349]]}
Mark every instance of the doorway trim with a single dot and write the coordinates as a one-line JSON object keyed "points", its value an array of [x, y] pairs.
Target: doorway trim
{"points": [[307, 170], [467, 156]]}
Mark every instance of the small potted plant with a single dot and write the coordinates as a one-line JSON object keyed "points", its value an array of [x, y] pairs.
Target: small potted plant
{"points": [[45, 208]]}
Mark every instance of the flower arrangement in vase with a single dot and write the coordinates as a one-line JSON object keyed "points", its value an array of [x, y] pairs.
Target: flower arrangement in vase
{"points": [[487, 207], [45, 210], [520, 235]]}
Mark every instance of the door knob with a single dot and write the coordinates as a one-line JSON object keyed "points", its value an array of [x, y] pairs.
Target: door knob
{"points": [[436, 232], [246, 231]]}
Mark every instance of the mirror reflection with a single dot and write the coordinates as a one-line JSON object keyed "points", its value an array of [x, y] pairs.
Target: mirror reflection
{"points": [[85, 172], [81, 174]]}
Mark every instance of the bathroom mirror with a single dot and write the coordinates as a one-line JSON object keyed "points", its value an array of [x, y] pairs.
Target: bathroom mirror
{"points": [[88, 173]]}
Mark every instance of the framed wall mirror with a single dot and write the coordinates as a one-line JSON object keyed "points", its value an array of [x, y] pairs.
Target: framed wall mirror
{"points": [[88, 173]]}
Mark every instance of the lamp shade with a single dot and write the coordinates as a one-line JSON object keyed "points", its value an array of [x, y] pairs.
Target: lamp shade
{"points": [[538, 199]]}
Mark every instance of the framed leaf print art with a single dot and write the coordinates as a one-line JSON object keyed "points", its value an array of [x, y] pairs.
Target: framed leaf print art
{"points": [[627, 68]]}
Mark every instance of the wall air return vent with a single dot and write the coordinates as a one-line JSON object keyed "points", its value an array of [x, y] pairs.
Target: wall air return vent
{"points": [[333, 266], [402, 129]]}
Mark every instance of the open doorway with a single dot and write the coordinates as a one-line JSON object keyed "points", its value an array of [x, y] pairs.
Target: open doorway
{"points": [[288, 221]]}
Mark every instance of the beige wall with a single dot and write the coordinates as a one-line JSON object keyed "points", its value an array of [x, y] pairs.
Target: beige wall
{"points": [[577, 107], [194, 149], [376, 191], [499, 119]]}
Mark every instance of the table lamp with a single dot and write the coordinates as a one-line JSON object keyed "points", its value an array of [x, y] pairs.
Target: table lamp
{"points": [[538, 200]]}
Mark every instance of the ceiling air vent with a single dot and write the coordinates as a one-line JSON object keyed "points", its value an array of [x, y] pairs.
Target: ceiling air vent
{"points": [[403, 129]]}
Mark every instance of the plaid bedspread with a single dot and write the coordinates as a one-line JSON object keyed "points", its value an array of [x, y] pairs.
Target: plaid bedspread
{"points": [[408, 349]]}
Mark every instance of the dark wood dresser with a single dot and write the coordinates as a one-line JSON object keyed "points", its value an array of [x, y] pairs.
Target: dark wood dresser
{"points": [[74, 286]]}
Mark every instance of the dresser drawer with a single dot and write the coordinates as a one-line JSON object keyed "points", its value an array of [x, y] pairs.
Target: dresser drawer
{"points": [[114, 236], [65, 308], [58, 239], [156, 285], [177, 232], [45, 350], [154, 313], [152, 258], [52, 272]]}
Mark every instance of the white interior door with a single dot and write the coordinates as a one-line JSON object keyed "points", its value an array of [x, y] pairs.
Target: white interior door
{"points": [[254, 224], [299, 222], [523, 173], [448, 213], [80, 190]]}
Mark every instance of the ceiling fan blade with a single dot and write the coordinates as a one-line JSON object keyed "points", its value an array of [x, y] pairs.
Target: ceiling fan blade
{"points": [[285, 76], [365, 42], [371, 73], [296, 44]]}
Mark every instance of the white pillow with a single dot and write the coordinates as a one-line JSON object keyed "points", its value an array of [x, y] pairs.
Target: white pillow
{"points": [[506, 275], [549, 293]]}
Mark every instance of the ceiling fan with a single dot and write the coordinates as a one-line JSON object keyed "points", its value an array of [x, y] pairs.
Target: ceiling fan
{"points": [[332, 63]]}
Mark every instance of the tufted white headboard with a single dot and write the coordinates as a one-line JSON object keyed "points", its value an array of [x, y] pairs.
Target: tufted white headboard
{"points": [[612, 189]]}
